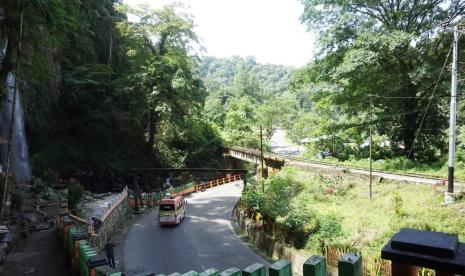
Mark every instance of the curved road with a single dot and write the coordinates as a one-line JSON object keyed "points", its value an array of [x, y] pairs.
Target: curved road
{"points": [[205, 239]]}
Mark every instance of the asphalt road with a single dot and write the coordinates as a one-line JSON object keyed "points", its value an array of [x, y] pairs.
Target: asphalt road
{"points": [[205, 239]]}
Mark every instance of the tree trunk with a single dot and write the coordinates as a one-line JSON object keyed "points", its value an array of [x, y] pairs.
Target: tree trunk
{"points": [[409, 127], [151, 127], [410, 116]]}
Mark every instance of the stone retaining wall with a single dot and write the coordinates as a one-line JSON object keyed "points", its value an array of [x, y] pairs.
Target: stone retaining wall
{"points": [[269, 245], [112, 221]]}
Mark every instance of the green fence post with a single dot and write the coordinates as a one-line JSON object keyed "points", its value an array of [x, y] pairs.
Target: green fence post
{"points": [[93, 263], [315, 266], [256, 269], [71, 231], [210, 272], [280, 268], [350, 265], [231, 272], [190, 273]]}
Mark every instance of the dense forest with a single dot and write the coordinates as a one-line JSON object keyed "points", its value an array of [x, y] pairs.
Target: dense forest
{"points": [[384, 67], [102, 91], [105, 86], [385, 64], [244, 94]]}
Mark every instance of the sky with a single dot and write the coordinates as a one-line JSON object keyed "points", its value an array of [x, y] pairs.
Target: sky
{"points": [[269, 30]]}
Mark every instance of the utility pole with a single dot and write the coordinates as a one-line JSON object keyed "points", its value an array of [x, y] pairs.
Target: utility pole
{"points": [[261, 158], [371, 142], [449, 195]]}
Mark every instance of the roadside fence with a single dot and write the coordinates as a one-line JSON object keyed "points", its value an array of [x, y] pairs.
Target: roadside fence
{"points": [[217, 182]]}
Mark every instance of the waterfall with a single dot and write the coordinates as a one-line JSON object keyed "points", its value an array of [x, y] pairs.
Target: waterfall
{"points": [[19, 159]]}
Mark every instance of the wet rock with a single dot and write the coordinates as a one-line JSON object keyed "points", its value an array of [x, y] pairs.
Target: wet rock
{"points": [[31, 217], [41, 226]]}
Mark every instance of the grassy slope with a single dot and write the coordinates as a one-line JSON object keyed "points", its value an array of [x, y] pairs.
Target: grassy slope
{"points": [[368, 224]]}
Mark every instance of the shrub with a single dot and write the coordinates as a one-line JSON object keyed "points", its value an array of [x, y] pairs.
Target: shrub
{"points": [[301, 220], [396, 204], [330, 228], [278, 193], [75, 192], [252, 198], [49, 177], [329, 231], [301, 216], [323, 186]]}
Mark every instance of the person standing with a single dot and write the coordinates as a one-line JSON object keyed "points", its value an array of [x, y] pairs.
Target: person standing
{"points": [[110, 254]]}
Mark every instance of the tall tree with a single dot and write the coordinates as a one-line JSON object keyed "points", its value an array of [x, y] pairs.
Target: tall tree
{"points": [[161, 41], [390, 52]]}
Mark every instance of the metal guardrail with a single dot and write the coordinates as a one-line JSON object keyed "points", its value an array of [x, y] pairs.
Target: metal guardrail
{"points": [[217, 182]]}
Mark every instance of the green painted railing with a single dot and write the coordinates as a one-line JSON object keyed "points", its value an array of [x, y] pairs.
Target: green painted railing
{"points": [[349, 265]]}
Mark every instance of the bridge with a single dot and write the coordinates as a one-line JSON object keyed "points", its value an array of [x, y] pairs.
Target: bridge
{"points": [[253, 156], [276, 162]]}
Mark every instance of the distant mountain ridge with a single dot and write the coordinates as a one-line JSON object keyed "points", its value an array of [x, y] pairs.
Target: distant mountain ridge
{"points": [[221, 73]]}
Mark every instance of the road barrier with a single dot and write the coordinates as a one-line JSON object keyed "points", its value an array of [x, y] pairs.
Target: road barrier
{"points": [[149, 200], [217, 182]]}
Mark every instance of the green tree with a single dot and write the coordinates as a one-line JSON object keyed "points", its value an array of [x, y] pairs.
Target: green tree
{"points": [[243, 94], [102, 92], [391, 53]]}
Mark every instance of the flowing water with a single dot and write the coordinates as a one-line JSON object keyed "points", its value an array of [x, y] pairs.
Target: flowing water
{"points": [[19, 159]]}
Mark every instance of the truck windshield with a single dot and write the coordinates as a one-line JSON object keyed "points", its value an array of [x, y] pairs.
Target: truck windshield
{"points": [[166, 207]]}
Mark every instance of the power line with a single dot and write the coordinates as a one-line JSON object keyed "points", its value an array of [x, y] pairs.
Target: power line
{"points": [[429, 103], [421, 41], [413, 97]]}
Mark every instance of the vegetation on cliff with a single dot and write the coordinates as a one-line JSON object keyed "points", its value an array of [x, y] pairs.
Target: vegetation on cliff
{"points": [[104, 92]]}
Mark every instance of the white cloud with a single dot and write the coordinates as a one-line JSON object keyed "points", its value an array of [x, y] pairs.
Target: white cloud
{"points": [[266, 29]]}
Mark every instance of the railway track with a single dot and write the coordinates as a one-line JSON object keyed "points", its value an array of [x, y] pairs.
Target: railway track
{"points": [[305, 163]]}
